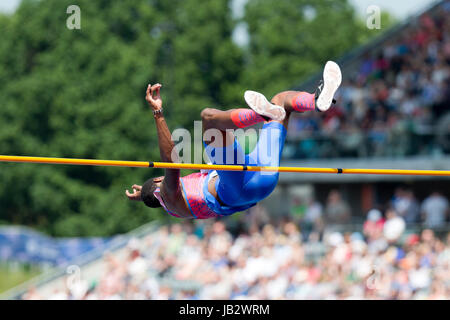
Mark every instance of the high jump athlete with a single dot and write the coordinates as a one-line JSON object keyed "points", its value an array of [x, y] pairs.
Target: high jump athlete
{"points": [[204, 195]]}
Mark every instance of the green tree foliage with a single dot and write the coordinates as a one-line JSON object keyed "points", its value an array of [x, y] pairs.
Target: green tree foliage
{"points": [[365, 34], [80, 93]]}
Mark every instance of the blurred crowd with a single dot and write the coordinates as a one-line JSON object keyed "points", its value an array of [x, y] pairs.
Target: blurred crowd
{"points": [[203, 260], [393, 104], [432, 212]]}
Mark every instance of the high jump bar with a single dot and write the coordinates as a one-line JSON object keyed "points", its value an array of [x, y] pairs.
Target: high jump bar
{"points": [[169, 165]]}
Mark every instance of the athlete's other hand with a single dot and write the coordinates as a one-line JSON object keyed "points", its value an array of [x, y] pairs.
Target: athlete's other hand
{"points": [[153, 96], [136, 195]]}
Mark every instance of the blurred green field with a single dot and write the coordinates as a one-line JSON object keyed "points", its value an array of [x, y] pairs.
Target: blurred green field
{"points": [[11, 277]]}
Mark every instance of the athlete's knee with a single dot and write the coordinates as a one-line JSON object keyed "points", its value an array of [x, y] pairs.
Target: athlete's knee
{"points": [[208, 115], [278, 99], [267, 183]]}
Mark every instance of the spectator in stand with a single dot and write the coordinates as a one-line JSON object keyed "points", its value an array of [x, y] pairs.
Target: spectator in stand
{"points": [[407, 206], [373, 226], [435, 209], [394, 226], [32, 294], [136, 265], [337, 211], [112, 282], [313, 218], [273, 263]]}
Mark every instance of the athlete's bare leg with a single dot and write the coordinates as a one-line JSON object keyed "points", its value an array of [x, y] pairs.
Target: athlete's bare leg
{"points": [[230, 119], [279, 109], [287, 100], [241, 118], [298, 101]]}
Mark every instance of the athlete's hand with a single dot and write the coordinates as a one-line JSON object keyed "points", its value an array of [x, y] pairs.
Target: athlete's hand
{"points": [[136, 195], [153, 96]]}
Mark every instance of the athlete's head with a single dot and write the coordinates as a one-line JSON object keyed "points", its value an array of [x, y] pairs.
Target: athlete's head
{"points": [[147, 195]]}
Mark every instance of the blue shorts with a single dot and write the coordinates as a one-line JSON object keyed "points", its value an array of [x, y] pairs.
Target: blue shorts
{"points": [[240, 190]]}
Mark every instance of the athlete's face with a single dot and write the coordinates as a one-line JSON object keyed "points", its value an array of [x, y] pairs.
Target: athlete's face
{"points": [[158, 180]]}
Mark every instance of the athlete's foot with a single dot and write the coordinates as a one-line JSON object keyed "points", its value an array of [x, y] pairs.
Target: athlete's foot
{"points": [[262, 106], [324, 94]]}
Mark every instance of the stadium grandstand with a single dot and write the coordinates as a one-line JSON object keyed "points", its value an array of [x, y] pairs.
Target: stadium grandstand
{"points": [[316, 236]]}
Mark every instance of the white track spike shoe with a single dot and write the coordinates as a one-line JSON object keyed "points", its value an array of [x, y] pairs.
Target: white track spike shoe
{"points": [[262, 106], [332, 79]]}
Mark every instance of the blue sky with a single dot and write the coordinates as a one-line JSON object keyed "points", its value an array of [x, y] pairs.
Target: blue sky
{"points": [[8, 5]]}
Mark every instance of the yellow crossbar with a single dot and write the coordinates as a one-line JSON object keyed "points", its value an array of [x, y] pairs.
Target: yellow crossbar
{"points": [[168, 165]]}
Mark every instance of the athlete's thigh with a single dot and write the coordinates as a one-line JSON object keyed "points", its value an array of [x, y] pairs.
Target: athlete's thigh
{"points": [[232, 154], [259, 186], [270, 145], [266, 153]]}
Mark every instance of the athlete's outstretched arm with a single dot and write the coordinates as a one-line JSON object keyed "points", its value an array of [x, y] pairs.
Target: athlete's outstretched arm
{"points": [[166, 144]]}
